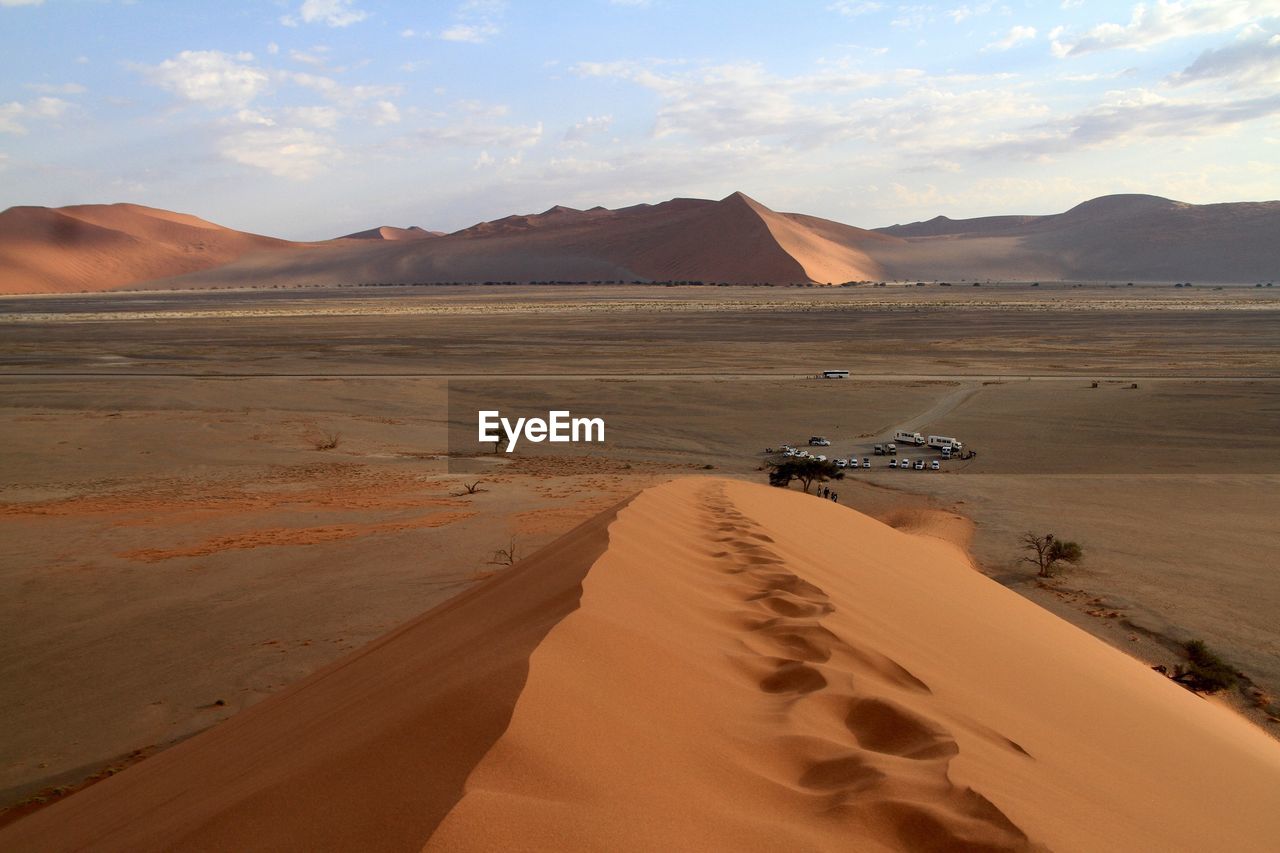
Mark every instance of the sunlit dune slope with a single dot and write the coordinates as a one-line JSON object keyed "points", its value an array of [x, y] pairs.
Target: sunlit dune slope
{"points": [[100, 247], [715, 665]]}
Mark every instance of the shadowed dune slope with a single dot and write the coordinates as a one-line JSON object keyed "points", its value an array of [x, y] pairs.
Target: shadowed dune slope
{"points": [[746, 669], [369, 753], [103, 246]]}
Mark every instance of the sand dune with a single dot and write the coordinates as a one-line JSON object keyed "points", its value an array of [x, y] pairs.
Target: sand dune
{"points": [[1137, 237], [101, 247], [391, 232], [735, 239], [714, 665]]}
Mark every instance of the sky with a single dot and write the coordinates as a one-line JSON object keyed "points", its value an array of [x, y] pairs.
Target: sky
{"points": [[308, 119]]}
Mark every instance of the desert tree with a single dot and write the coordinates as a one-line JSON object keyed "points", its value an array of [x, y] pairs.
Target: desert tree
{"points": [[807, 471], [504, 437], [1046, 551], [505, 556]]}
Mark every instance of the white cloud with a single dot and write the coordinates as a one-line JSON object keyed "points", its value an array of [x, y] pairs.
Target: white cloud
{"points": [[385, 112], [1127, 116], [589, 126], [477, 21], [273, 48], [855, 8], [744, 102], [1015, 36], [210, 77], [322, 117], [15, 115], [20, 2], [315, 58], [292, 153], [1163, 21], [960, 13], [254, 117], [1253, 59], [472, 33], [336, 92], [476, 124], [334, 13]]}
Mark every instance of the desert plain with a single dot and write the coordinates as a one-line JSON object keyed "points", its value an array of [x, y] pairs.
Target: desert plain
{"points": [[209, 496]]}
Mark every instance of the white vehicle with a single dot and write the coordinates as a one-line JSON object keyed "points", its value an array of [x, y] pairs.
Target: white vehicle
{"points": [[919, 464], [909, 438], [820, 458], [935, 465], [818, 441], [835, 374], [840, 463], [945, 442], [891, 449], [946, 453], [866, 462], [893, 463]]}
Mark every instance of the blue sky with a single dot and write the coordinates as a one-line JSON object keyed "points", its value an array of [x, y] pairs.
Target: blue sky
{"points": [[311, 118]]}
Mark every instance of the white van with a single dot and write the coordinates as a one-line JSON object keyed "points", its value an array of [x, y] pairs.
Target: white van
{"points": [[909, 438], [945, 442]]}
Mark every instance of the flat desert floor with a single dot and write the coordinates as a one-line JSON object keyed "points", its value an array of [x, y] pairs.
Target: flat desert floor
{"points": [[178, 540]]}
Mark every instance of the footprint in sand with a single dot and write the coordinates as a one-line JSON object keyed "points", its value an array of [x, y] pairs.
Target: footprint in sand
{"points": [[793, 677], [881, 725]]}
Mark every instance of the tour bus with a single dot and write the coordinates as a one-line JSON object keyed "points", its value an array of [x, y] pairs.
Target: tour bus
{"points": [[909, 438], [945, 442], [835, 374]]}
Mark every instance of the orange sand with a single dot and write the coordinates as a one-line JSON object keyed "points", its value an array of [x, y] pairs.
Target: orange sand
{"points": [[715, 665]]}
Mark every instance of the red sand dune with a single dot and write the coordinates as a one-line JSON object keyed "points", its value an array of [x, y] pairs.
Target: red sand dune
{"points": [[101, 247], [390, 232], [735, 239], [714, 665]]}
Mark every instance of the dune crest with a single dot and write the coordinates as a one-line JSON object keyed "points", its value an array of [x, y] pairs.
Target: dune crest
{"points": [[772, 671], [105, 246], [713, 665]]}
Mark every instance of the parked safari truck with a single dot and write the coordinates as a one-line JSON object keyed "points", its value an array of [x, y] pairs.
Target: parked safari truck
{"points": [[909, 438], [945, 442]]}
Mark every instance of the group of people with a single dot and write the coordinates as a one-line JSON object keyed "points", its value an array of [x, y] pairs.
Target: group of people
{"points": [[829, 494]]}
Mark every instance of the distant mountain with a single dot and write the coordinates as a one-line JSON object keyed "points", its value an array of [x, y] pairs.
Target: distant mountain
{"points": [[107, 246], [735, 239], [1137, 237], [390, 232]]}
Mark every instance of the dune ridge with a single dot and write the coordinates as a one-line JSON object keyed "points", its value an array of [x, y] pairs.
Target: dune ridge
{"points": [[713, 665], [735, 240]]}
